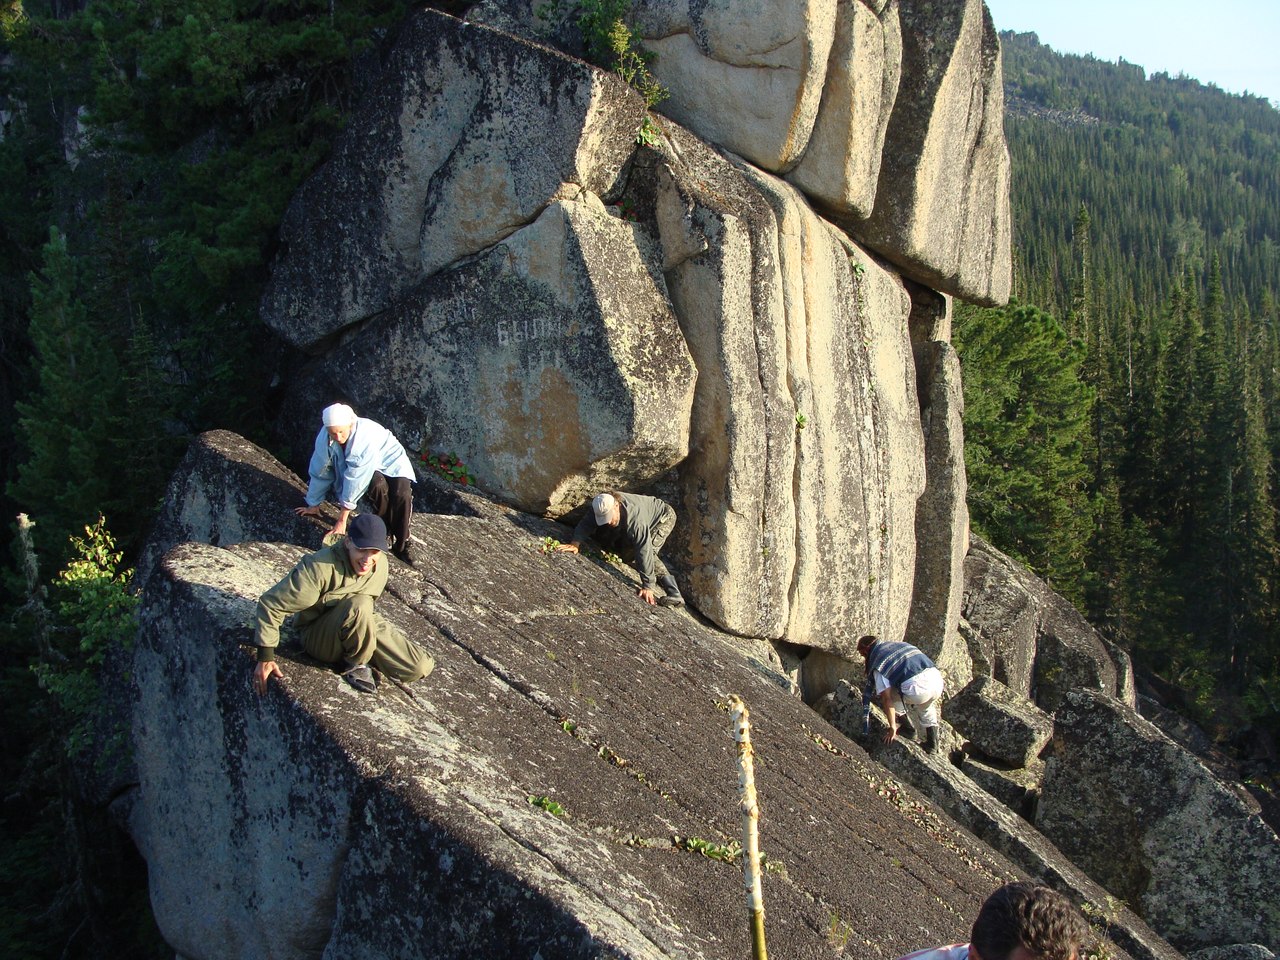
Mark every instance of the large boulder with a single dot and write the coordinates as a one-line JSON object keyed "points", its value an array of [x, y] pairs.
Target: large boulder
{"points": [[747, 74], [983, 815], [544, 792], [840, 168], [942, 202], [1145, 818], [551, 364], [806, 461], [1033, 640], [468, 135], [227, 490], [999, 723], [942, 517]]}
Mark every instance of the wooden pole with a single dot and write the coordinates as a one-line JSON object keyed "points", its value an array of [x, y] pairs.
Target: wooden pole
{"points": [[750, 826]]}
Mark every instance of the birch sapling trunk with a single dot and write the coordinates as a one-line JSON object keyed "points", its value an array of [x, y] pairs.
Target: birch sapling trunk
{"points": [[750, 826]]}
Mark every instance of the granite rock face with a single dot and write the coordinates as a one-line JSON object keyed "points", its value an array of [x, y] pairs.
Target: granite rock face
{"points": [[942, 200], [532, 796], [840, 168], [888, 114], [1000, 724], [989, 819], [1035, 642], [700, 269], [551, 364], [748, 75], [220, 493], [942, 517], [471, 134], [1150, 822], [805, 368]]}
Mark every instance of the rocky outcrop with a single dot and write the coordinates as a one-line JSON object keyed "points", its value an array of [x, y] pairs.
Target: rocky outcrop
{"points": [[1035, 641], [999, 723], [805, 368], [942, 517], [218, 494], [1018, 788], [990, 820], [840, 168], [544, 791], [551, 364], [470, 135], [747, 75], [888, 115], [561, 359], [942, 200], [1150, 822]]}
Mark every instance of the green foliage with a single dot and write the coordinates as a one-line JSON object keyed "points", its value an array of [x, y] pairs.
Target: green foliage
{"points": [[448, 466], [1027, 415], [1170, 169], [96, 617], [200, 120], [725, 852], [67, 427], [547, 804], [610, 43], [839, 932], [1147, 212]]}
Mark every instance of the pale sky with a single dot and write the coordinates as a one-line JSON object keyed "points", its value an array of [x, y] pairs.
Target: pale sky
{"points": [[1234, 44]]}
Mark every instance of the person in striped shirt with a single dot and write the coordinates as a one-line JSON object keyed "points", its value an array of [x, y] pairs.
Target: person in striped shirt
{"points": [[907, 683]]}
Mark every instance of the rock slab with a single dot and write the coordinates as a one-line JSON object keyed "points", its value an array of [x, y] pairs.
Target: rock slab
{"points": [[1145, 818]]}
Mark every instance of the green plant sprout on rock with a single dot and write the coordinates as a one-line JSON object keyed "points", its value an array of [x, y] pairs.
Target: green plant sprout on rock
{"points": [[448, 466], [547, 804], [839, 932], [724, 852], [611, 44], [1101, 919]]}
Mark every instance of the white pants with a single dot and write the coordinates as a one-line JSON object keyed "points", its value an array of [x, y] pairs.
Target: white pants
{"points": [[918, 697]]}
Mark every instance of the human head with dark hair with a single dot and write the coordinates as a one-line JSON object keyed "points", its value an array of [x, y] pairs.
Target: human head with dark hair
{"points": [[1026, 921]]}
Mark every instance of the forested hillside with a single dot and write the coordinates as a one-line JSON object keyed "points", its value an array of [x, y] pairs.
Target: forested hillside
{"points": [[1123, 421], [1123, 417]]}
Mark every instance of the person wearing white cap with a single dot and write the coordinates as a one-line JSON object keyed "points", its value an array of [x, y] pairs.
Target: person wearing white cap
{"points": [[636, 527], [357, 457]]}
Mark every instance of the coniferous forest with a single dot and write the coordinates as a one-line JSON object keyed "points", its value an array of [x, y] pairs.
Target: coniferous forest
{"points": [[1122, 414], [1122, 420]]}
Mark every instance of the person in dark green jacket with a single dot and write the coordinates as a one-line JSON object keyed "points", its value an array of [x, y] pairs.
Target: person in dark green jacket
{"points": [[636, 527], [332, 592]]}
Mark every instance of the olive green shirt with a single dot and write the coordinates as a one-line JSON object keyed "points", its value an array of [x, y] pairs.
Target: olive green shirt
{"points": [[317, 582]]}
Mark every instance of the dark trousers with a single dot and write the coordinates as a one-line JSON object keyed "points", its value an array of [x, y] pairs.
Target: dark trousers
{"points": [[392, 500]]}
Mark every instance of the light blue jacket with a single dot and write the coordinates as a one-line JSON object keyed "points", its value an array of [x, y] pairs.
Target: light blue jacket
{"points": [[347, 469]]}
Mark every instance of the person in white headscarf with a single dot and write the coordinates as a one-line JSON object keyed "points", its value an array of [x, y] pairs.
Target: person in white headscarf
{"points": [[357, 457]]}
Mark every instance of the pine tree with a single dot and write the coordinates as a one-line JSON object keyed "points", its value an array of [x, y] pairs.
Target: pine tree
{"points": [[1028, 443], [67, 430]]}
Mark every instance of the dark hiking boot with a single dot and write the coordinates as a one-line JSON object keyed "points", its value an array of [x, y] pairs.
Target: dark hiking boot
{"points": [[671, 593], [906, 729], [360, 676], [931, 739], [404, 553]]}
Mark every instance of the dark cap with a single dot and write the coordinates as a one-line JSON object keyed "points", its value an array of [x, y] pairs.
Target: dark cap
{"points": [[367, 532]]}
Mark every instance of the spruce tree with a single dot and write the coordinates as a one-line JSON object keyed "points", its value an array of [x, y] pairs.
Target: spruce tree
{"points": [[67, 430]]}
